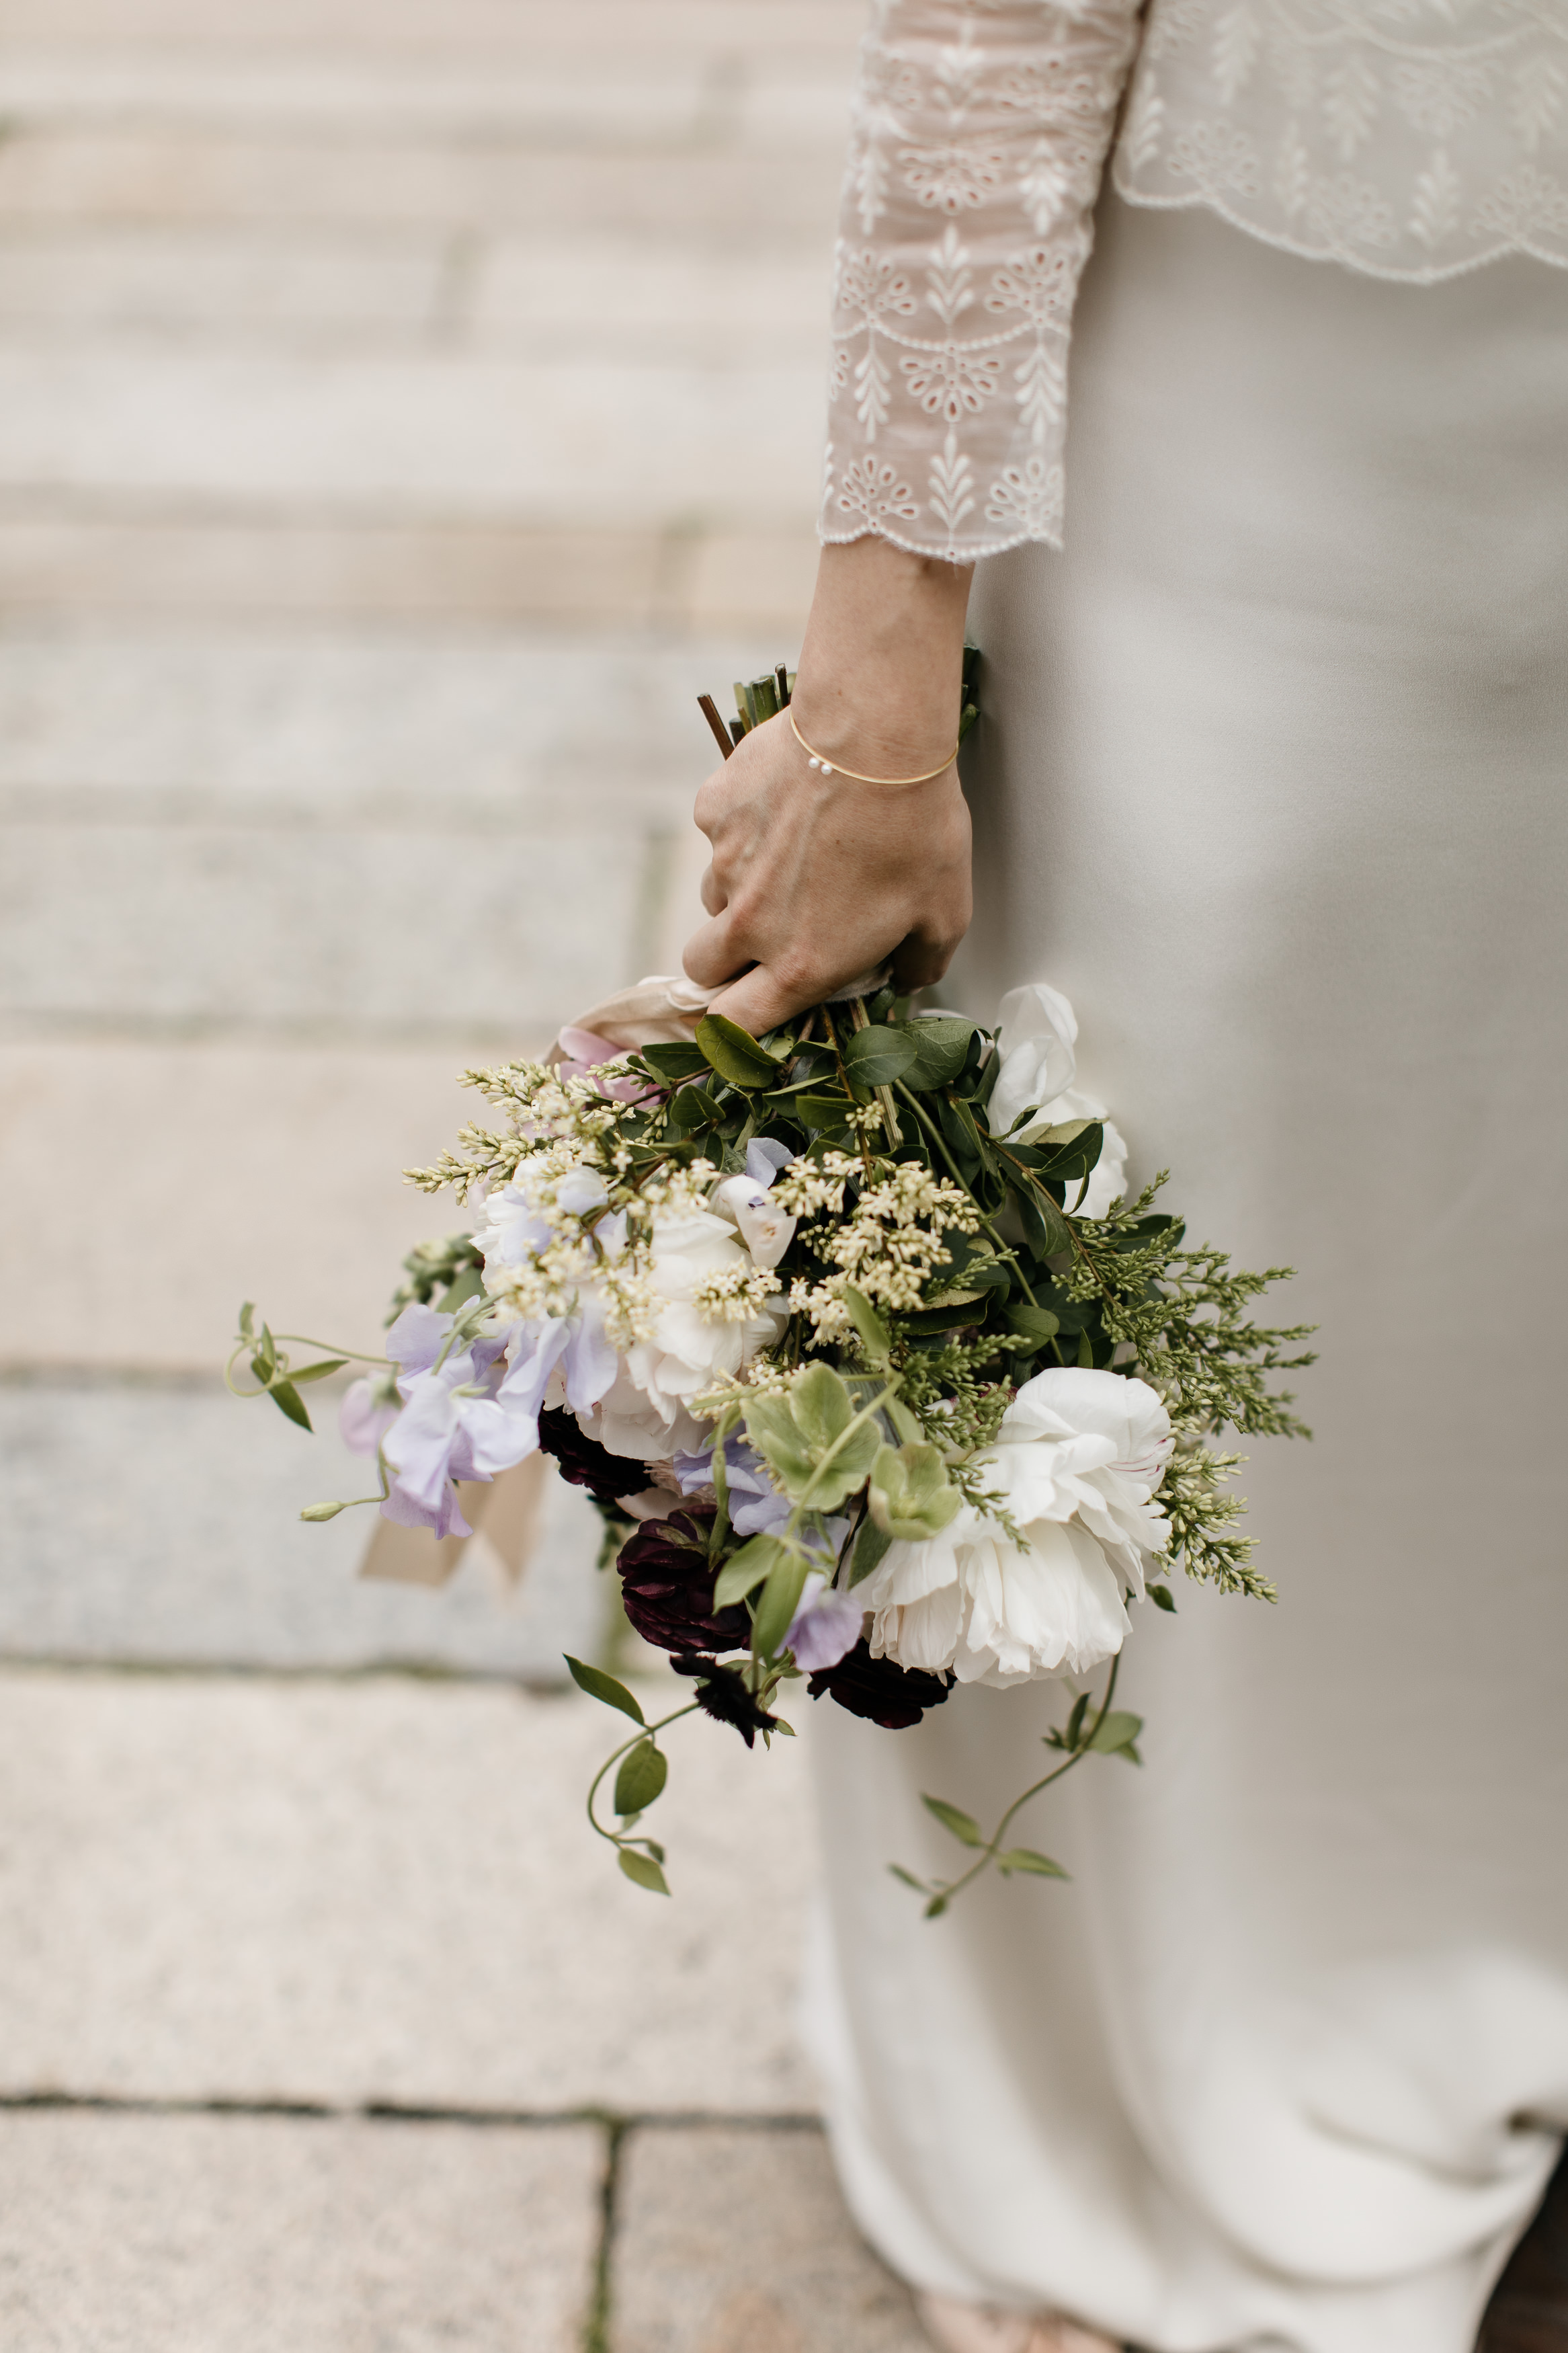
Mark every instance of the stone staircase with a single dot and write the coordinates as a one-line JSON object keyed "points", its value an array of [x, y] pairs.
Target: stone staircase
{"points": [[407, 409]]}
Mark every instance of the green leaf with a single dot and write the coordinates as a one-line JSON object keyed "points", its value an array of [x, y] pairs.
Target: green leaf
{"points": [[601, 1687], [772, 1430], [734, 1053], [1163, 1598], [289, 1403], [464, 1286], [906, 1428], [643, 1773], [318, 1372], [1086, 1351], [875, 1056], [781, 1599], [745, 1570], [870, 1546], [910, 1497], [824, 1112], [874, 1335], [1044, 1224], [941, 1044], [693, 1107], [936, 1907], [822, 1405], [675, 1062], [1024, 1857], [1033, 1323], [1116, 1735], [909, 1878], [642, 1869], [954, 1317], [1074, 1732], [962, 1826], [247, 1319]]}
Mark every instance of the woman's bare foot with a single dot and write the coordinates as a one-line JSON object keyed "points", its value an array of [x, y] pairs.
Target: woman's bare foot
{"points": [[980, 2328]]}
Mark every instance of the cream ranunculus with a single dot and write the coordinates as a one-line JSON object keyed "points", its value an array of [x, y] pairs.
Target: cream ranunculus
{"points": [[645, 1411], [1077, 1459], [1038, 1031]]}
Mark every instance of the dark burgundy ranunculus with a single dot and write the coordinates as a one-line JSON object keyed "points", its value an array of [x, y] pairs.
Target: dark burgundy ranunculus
{"points": [[722, 1693], [667, 1586], [585, 1463], [893, 1696]]}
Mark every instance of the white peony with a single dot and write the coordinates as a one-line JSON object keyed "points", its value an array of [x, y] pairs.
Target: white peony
{"points": [[1076, 1461], [644, 1412], [1036, 1039]]}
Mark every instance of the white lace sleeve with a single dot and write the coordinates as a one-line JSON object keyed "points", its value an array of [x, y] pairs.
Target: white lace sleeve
{"points": [[980, 129]]}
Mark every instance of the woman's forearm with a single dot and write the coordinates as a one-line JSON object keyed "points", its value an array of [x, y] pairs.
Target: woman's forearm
{"points": [[882, 660]]}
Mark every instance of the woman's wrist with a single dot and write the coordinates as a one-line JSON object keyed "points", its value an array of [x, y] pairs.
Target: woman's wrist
{"points": [[881, 667]]}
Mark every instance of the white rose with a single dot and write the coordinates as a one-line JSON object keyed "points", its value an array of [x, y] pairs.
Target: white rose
{"points": [[645, 1411], [1036, 1039], [1077, 1459]]}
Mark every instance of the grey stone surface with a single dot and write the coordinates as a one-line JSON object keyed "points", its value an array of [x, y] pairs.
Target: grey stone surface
{"points": [[161, 1526], [150, 1189], [404, 935], [737, 2242], [557, 731], [270, 2234], [385, 1889]]}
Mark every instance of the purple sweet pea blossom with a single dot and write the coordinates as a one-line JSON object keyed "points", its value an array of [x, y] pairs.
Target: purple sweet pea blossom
{"points": [[451, 1426], [826, 1627]]}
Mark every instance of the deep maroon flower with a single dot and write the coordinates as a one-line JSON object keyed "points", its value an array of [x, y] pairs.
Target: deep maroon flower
{"points": [[585, 1463], [722, 1693], [893, 1696], [667, 1586]]}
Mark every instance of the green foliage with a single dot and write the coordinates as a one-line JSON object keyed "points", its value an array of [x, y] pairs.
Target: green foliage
{"points": [[644, 1771], [909, 1496], [601, 1687], [819, 1445]]}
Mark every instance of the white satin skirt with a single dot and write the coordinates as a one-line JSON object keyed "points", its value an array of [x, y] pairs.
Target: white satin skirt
{"points": [[1273, 781]]}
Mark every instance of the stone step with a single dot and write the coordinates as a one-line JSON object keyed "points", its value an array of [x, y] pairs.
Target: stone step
{"points": [[141, 563], [767, 28], [691, 2272], [169, 2233], [236, 1888], [438, 436], [183, 1546]]}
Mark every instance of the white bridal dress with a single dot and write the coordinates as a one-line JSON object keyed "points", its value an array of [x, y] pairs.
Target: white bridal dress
{"points": [[1273, 781]]}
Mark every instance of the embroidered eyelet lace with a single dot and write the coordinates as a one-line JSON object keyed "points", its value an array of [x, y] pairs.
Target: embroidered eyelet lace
{"points": [[1406, 138]]}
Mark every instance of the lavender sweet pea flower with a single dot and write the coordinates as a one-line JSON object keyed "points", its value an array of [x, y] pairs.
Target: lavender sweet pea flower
{"points": [[756, 1507], [766, 1230], [451, 1426], [826, 1627], [366, 1413]]}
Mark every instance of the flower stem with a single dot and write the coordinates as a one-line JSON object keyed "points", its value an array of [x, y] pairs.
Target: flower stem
{"points": [[993, 1847]]}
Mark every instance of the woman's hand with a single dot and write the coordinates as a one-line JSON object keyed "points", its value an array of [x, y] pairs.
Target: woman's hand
{"points": [[816, 878]]}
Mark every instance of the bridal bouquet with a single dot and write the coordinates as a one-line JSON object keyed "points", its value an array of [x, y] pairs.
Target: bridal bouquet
{"points": [[877, 1378]]}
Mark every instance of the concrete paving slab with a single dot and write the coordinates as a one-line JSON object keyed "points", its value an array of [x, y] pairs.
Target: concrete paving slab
{"points": [[160, 1525], [159, 1185], [272, 2235], [547, 730], [192, 281], [406, 935], [133, 561], [593, 444], [385, 1890], [71, 173], [738, 2241]]}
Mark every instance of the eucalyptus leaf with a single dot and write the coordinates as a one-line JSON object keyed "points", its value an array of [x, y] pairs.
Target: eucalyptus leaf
{"points": [[642, 1869], [644, 1772], [823, 1112], [876, 1056], [601, 1687], [962, 1826], [1033, 1323], [736, 1054], [941, 1044], [675, 1062]]}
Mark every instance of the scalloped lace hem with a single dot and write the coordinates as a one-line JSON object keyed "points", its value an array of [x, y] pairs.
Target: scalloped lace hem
{"points": [[1204, 200], [946, 552]]}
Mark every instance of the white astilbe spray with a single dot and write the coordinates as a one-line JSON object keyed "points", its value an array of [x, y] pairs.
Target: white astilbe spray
{"points": [[888, 1248]]}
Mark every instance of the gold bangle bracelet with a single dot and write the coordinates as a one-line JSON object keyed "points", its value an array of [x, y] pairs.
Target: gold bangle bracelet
{"points": [[831, 768]]}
